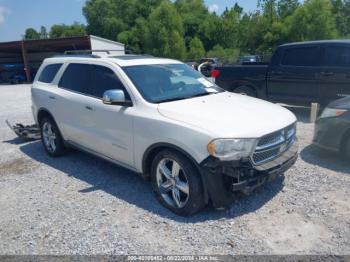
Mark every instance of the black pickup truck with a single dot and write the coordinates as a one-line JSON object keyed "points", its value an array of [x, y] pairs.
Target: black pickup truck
{"points": [[298, 73]]}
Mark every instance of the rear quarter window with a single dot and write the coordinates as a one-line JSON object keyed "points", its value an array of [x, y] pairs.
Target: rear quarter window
{"points": [[338, 56], [49, 72], [301, 56]]}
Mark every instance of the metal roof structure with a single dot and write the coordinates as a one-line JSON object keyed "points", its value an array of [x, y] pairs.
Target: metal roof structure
{"points": [[31, 53]]}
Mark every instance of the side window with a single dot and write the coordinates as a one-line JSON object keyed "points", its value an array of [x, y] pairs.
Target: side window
{"points": [[76, 77], [301, 56], [105, 79], [338, 56], [49, 73]]}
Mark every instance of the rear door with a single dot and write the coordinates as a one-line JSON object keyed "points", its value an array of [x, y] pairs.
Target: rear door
{"points": [[335, 73], [295, 78], [73, 115]]}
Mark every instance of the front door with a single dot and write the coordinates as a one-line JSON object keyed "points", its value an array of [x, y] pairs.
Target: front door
{"points": [[295, 79], [110, 127]]}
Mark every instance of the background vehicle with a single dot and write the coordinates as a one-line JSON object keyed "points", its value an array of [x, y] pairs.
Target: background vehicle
{"points": [[12, 73], [298, 73], [249, 59], [211, 64], [332, 129], [162, 119]]}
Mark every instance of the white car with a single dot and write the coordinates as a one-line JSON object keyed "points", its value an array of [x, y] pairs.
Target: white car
{"points": [[160, 118]]}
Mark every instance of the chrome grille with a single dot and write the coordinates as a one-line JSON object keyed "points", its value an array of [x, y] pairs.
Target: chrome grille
{"points": [[272, 145]]}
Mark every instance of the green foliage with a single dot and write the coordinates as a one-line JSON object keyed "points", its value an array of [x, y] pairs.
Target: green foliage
{"points": [[312, 21], [164, 32], [31, 34], [185, 29], [58, 31], [286, 8], [227, 55], [109, 18], [196, 50], [341, 13]]}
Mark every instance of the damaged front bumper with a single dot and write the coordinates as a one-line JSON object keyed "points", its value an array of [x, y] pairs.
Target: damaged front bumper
{"points": [[28, 132], [224, 178]]}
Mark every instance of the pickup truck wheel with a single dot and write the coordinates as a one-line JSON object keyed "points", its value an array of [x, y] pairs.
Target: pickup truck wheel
{"points": [[177, 183], [245, 90], [51, 137]]}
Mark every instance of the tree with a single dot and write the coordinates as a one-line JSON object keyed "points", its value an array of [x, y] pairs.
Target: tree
{"points": [[167, 27], [109, 18], [341, 13], [62, 30], [229, 28], [193, 13], [225, 55], [164, 33], [286, 8], [209, 32], [312, 21], [31, 34], [196, 50], [269, 8]]}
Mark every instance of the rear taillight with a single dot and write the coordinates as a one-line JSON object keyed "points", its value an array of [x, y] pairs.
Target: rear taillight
{"points": [[215, 73]]}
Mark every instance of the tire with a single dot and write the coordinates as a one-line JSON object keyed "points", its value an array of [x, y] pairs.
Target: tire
{"points": [[51, 138], [178, 188], [245, 90]]}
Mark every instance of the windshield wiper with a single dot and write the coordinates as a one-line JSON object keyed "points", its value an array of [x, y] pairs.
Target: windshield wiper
{"points": [[186, 97], [203, 94], [171, 99]]}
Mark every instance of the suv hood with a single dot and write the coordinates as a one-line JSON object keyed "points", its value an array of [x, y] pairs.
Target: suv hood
{"points": [[228, 115]]}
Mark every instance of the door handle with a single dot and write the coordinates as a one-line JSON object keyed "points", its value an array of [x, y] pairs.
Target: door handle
{"points": [[327, 73], [52, 97], [89, 108]]}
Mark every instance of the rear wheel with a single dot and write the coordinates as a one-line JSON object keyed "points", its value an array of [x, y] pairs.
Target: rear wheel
{"points": [[51, 137], [246, 90], [177, 183]]}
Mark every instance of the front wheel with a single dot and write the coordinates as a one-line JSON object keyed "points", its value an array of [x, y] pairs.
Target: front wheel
{"points": [[177, 183]]}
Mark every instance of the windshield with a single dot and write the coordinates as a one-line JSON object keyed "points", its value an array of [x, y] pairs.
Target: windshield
{"points": [[169, 82]]}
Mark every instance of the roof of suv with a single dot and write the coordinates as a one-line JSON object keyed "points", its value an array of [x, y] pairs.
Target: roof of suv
{"points": [[123, 60]]}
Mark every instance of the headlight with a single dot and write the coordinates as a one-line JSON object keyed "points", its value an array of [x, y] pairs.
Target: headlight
{"points": [[231, 149], [332, 112]]}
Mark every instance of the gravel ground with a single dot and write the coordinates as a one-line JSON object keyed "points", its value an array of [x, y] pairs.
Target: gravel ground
{"points": [[79, 204]]}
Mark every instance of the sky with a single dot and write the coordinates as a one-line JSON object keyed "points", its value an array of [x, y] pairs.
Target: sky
{"points": [[17, 15]]}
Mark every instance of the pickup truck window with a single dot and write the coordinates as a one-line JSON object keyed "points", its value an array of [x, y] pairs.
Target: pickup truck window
{"points": [[169, 82], [301, 56], [76, 77], [338, 56], [49, 73], [104, 79]]}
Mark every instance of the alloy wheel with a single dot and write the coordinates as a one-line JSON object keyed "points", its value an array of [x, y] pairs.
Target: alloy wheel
{"points": [[172, 183], [49, 137]]}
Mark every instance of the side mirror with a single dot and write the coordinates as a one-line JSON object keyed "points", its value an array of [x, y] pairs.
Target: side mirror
{"points": [[115, 97]]}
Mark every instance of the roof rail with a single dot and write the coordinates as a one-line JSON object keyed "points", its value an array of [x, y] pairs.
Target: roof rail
{"points": [[108, 52], [78, 55]]}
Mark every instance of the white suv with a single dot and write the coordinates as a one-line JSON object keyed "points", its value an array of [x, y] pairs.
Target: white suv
{"points": [[160, 118]]}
